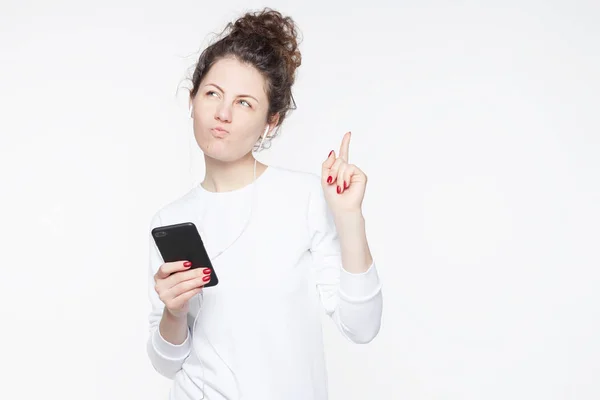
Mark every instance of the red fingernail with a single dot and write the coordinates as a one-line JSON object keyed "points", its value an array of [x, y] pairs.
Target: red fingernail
{"points": [[187, 264], [329, 180], [206, 270], [345, 185], [330, 154], [206, 278], [339, 189]]}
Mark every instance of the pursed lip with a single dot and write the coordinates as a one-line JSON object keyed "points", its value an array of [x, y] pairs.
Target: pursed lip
{"points": [[219, 132]]}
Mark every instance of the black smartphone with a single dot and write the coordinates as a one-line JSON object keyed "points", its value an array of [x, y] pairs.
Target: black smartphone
{"points": [[181, 242]]}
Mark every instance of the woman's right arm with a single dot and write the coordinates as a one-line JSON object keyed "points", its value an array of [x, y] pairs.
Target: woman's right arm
{"points": [[171, 285]]}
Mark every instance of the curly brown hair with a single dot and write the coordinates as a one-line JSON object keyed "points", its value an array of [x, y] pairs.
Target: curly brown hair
{"points": [[266, 40]]}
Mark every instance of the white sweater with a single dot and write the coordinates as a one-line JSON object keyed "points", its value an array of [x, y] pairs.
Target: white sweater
{"points": [[258, 335]]}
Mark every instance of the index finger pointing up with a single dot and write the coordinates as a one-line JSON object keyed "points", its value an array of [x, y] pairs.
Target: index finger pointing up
{"points": [[345, 147]]}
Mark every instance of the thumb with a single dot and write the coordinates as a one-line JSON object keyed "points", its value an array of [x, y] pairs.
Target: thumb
{"points": [[328, 163]]}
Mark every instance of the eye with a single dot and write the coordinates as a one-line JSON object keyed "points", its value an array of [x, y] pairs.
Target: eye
{"points": [[211, 92], [244, 101]]}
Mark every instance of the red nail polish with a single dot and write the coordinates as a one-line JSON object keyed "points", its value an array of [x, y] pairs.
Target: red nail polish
{"points": [[329, 180], [187, 264], [206, 270], [345, 185], [339, 189], [330, 154], [206, 278]]}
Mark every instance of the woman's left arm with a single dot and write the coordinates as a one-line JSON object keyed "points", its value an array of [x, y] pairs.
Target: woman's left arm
{"points": [[344, 187], [351, 293], [356, 256]]}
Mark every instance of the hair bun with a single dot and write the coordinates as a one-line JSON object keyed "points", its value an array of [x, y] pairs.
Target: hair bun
{"points": [[279, 31]]}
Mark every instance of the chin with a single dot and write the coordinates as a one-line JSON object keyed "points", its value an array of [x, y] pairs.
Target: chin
{"points": [[220, 150]]}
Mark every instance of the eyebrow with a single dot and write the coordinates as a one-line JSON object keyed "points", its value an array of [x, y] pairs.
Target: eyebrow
{"points": [[241, 95]]}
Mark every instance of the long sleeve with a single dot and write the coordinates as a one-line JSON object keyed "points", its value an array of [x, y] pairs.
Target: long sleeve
{"points": [[166, 358], [353, 301]]}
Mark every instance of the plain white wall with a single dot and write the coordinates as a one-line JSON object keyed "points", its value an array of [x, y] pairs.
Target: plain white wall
{"points": [[477, 123]]}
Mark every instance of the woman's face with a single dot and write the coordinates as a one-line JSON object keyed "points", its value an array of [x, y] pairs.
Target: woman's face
{"points": [[230, 110]]}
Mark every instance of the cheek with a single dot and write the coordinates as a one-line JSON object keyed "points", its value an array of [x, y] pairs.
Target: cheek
{"points": [[203, 121], [205, 113]]}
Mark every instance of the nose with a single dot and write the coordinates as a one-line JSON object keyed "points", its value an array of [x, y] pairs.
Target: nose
{"points": [[223, 112]]}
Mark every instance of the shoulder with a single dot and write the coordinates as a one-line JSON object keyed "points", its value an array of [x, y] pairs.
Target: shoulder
{"points": [[298, 190], [175, 210], [294, 180]]}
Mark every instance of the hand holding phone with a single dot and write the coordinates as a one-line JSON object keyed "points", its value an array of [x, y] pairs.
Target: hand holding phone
{"points": [[176, 283], [182, 242], [187, 267]]}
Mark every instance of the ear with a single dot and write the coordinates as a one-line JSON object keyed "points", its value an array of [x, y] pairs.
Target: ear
{"points": [[274, 120]]}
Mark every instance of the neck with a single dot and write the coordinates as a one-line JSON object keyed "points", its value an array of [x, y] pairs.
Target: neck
{"points": [[223, 176]]}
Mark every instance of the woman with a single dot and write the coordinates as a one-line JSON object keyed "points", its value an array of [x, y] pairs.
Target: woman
{"points": [[286, 245]]}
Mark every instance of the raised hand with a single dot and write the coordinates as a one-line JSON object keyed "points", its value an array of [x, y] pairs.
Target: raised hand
{"points": [[343, 183]]}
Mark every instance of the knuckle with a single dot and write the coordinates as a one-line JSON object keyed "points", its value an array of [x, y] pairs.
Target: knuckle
{"points": [[176, 278], [184, 275], [189, 285]]}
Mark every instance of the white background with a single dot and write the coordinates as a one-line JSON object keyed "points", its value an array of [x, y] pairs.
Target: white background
{"points": [[476, 122]]}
